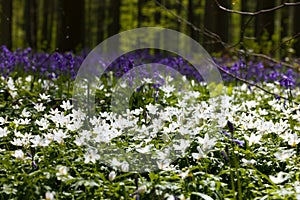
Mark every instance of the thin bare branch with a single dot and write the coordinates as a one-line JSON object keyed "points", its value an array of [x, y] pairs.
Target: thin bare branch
{"points": [[275, 61], [218, 39], [253, 84], [203, 30], [286, 4], [286, 41]]}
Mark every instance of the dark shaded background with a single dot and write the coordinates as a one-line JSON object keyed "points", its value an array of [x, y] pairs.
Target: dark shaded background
{"points": [[73, 25]]}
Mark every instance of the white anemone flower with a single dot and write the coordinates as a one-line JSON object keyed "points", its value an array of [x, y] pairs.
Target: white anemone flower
{"points": [[39, 107], [62, 171], [3, 121], [11, 84], [79, 141], [50, 195], [19, 154], [37, 141], [207, 143], [171, 197], [281, 177], [152, 109], [293, 139], [125, 167], [45, 97], [283, 155], [198, 155], [42, 123], [3, 132], [59, 136], [145, 150], [253, 139], [91, 156], [25, 113], [112, 175], [182, 146], [66, 105]]}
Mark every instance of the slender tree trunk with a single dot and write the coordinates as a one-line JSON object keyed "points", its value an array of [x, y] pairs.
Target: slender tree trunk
{"points": [[264, 22], [88, 27], [157, 20], [6, 23], [194, 18], [45, 24], [30, 23], [297, 29], [277, 30], [101, 21], [157, 17], [223, 21], [247, 22], [71, 28], [190, 18], [287, 22], [209, 22], [59, 15], [244, 18], [178, 12], [216, 21], [114, 9], [50, 24], [114, 26], [140, 16], [291, 15]]}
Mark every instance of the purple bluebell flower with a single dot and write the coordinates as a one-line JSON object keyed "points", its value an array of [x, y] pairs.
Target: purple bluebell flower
{"points": [[226, 134], [28, 154], [239, 142], [286, 81], [230, 127], [34, 165], [224, 155], [277, 97]]}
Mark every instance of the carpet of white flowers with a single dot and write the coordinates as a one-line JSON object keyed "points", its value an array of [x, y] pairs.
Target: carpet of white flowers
{"points": [[245, 144]]}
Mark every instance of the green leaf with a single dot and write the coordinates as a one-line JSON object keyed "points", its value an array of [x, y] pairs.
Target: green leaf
{"points": [[215, 89], [204, 196], [153, 177]]}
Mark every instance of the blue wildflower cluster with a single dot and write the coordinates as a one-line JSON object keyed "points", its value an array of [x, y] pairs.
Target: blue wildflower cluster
{"points": [[67, 64]]}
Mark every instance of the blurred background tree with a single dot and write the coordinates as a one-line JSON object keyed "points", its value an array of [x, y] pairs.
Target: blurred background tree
{"points": [[74, 25]]}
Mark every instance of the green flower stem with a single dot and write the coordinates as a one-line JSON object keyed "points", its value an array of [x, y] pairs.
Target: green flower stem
{"points": [[265, 177], [238, 179]]}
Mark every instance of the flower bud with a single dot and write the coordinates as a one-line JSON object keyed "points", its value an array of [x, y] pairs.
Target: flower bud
{"points": [[112, 175]]}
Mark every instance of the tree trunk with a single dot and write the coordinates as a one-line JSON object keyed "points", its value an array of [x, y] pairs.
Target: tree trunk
{"points": [[89, 23], [157, 20], [223, 21], [101, 21], [264, 22], [30, 23], [297, 29], [209, 22], [178, 12], [50, 34], [216, 21], [194, 18], [6, 23], [114, 11], [46, 26], [140, 16], [277, 30], [70, 30]]}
